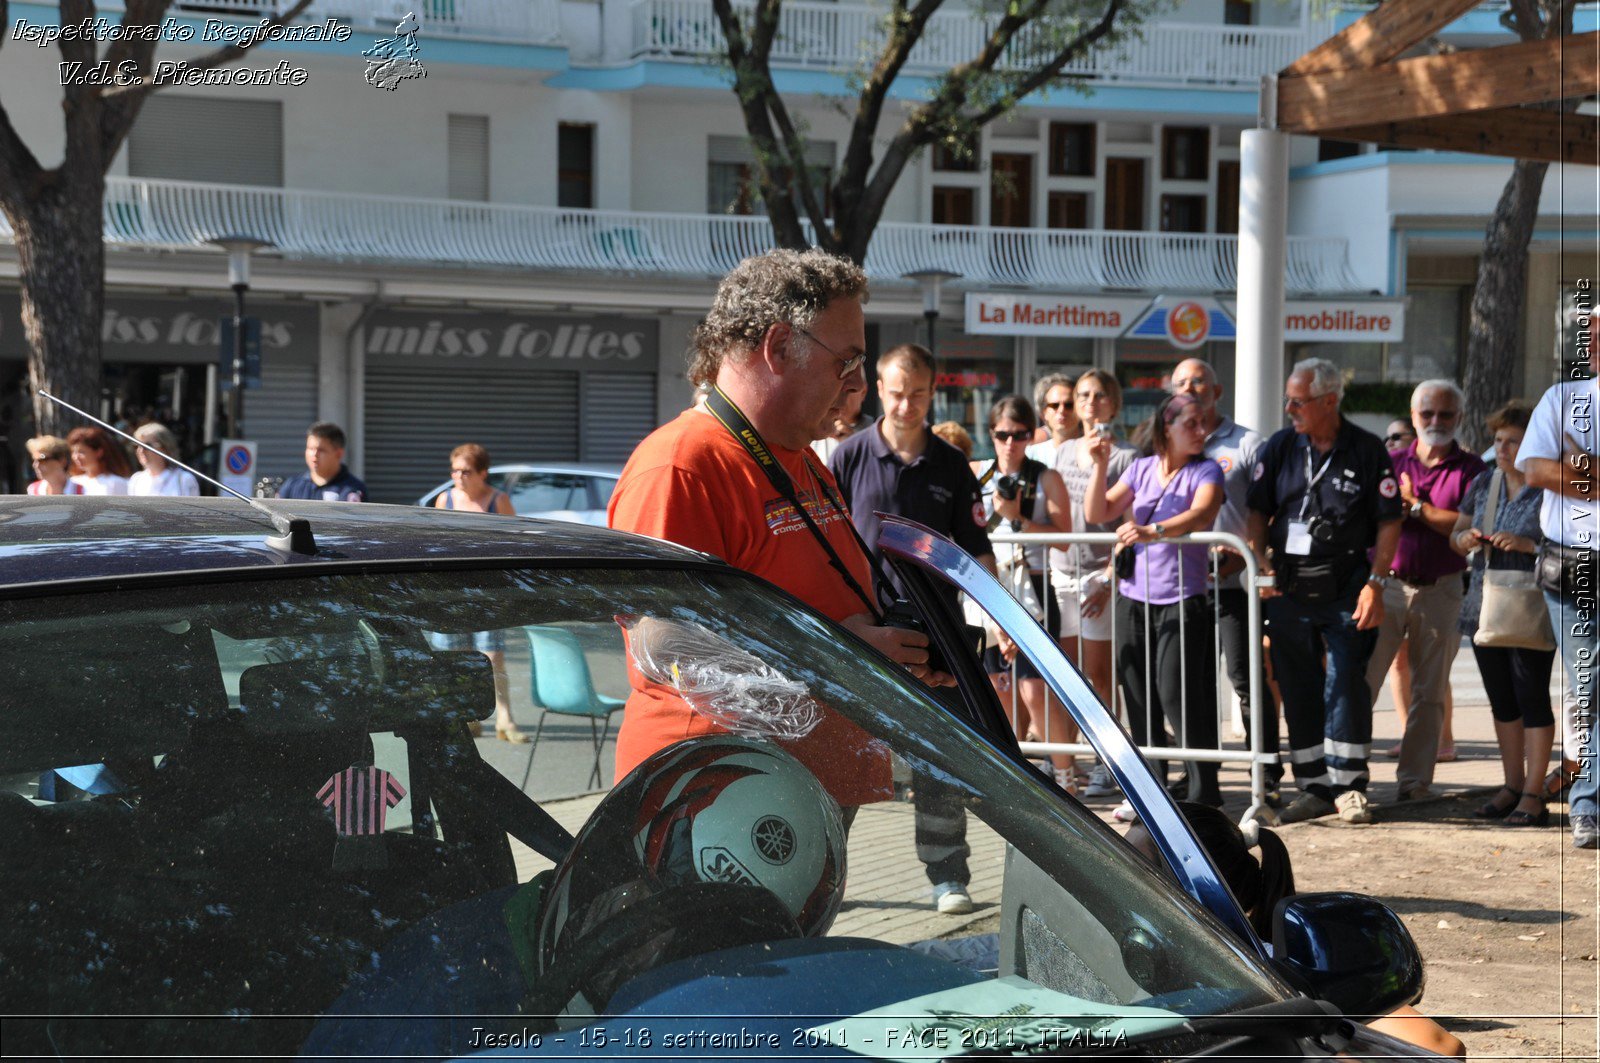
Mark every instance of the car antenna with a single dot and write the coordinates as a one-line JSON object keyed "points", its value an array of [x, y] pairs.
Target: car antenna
{"points": [[296, 531]]}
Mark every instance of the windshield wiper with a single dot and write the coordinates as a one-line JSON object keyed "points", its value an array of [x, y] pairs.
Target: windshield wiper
{"points": [[1296, 1017]]}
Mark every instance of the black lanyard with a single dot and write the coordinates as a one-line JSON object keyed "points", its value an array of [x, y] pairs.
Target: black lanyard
{"points": [[739, 426]]}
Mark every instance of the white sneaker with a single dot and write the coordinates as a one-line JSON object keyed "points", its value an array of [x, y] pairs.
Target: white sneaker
{"points": [[1100, 784], [1353, 807], [1124, 813], [952, 898]]}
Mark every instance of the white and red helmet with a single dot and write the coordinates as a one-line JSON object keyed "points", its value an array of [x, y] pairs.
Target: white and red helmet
{"points": [[711, 843]]}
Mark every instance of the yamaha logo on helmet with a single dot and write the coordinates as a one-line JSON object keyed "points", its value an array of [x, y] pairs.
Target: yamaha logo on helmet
{"points": [[773, 839]]}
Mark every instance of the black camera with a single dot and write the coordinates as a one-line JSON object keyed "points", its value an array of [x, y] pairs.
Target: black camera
{"points": [[1008, 487], [1122, 563], [902, 614], [1323, 530]]}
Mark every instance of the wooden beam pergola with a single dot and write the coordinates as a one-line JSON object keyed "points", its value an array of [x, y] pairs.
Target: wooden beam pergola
{"points": [[1491, 101]]}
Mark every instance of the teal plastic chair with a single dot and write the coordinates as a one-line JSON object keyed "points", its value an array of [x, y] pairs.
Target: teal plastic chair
{"points": [[563, 685]]}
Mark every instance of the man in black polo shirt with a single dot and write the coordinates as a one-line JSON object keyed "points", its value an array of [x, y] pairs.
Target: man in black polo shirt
{"points": [[1322, 495], [326, 478], [899, 466]]}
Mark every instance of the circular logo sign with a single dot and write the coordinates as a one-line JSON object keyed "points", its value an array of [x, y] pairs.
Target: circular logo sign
{"points": [[773, 839], [1188, 325], [237, 460]]}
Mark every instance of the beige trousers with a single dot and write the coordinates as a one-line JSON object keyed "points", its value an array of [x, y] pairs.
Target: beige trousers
{"points": [[1425, 618]]}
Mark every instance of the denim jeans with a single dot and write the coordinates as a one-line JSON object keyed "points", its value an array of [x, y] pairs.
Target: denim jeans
{"points": [[1328, 709], [1574, 620]]}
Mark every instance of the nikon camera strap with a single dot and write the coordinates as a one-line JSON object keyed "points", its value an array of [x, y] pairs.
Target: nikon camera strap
{"points": [[739, 426]]}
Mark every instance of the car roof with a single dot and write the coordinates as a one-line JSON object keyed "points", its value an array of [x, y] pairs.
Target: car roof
{"points": [[585, 468], [46, 540]]}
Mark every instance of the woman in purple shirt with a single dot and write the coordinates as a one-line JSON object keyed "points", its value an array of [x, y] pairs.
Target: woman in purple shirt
{"points": [[1164, 631]]}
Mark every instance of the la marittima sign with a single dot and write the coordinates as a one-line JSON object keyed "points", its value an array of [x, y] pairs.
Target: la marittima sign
{"points": [[1184, 321]]}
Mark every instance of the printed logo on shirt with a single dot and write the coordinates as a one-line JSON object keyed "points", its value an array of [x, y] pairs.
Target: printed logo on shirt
{"points": [[1226, 463], [1387, 487], [781, 517]]}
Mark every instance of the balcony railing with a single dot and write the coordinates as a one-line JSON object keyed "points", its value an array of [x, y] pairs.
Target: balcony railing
{"points": [[839, 36], [514, 21], [334, 227]]}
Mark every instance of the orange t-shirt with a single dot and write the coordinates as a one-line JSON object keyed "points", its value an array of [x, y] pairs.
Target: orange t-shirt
{"points": [[691, 482]]}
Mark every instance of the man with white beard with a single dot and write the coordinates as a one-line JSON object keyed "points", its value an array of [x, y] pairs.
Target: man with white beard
{"points": [[1423, 601]]}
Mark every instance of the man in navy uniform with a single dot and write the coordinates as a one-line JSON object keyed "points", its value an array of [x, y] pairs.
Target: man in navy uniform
{"points": [[326, 479], [1322, 496], [899, 466]]}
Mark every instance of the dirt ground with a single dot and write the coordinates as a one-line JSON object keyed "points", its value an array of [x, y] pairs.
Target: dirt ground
{"points": [[1505, 919]]}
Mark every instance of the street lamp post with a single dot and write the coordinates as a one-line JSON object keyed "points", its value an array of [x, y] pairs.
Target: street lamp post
{"points": [[239, 248], [931, 281]]}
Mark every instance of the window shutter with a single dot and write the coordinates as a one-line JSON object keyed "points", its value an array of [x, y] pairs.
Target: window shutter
{"points": [[469, 157], [201, 138]]}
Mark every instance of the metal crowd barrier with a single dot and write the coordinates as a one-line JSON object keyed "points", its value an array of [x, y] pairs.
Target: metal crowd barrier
{"points": [[1156, 725]]}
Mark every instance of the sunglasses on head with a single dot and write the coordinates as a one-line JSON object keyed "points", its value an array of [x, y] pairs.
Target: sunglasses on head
{"points": [[1022, 435]]}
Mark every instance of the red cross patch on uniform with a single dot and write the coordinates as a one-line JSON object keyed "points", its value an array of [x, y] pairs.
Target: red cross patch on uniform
{"points": [[1386, 487], [978, 517]]}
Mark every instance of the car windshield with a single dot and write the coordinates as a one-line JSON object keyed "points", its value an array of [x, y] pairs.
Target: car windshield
{"points": [[236, 817]]}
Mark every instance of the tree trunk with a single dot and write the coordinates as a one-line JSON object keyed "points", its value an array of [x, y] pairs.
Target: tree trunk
{"points": [[62, 261], [1488, 372]]}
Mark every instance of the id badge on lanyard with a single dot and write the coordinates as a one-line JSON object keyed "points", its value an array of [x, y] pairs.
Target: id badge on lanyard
{"points": [[1298, 542]]}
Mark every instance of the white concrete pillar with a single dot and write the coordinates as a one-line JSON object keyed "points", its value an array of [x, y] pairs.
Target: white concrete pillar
{"points": [[1263, 235]]}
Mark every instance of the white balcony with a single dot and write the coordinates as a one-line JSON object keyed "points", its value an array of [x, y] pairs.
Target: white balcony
{"points": [[838, 36], [510, 21], [330, 227]]}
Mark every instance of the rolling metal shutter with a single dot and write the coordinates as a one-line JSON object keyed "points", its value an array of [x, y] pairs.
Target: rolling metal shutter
{"points": [[469, 157], [619, 409], [417, 414], [203, 138], [277, 414]]}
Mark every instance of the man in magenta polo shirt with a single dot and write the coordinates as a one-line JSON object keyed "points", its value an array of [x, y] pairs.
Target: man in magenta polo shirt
{"points": [[1423, 601]]}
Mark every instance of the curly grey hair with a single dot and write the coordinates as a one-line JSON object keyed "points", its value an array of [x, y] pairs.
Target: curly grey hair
{"points": [[1326, 378], [780, 286]]}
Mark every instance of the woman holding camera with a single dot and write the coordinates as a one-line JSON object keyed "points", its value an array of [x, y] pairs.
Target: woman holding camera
{"points": [[1164, 655], [1079, 572], [1029, 497]]}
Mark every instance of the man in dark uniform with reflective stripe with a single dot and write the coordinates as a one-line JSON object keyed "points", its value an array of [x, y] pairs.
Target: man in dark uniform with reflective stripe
{"points": [[1322, 496], [899, 466]]}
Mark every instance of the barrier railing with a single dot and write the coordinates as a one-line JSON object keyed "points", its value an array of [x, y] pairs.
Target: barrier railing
{"points": [[1074, 577]]}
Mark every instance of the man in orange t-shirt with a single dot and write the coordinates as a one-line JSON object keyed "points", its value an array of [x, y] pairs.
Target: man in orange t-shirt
{"points": [[784, 342]]}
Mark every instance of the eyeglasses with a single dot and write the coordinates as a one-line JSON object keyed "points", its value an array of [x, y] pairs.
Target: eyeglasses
{"points": [[1063, 404], [1295, 404], [1437, 415], [462, 472], [1021, 435], [1396, 437], [851, 362]]}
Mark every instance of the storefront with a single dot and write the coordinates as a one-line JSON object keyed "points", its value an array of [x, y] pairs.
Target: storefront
{"points": [[528, 387], [1142, 338], [160, 358]]}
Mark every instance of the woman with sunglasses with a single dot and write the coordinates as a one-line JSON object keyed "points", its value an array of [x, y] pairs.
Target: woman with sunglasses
{"points": [[1029, 497], [1080, 575], [52, 463], [471, 492], [1164, 652]]}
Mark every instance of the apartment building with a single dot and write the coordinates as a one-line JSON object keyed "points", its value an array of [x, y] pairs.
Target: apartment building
{"points": [[515, 246]]}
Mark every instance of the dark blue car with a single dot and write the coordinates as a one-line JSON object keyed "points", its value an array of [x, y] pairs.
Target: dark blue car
{"points": [[244, 813]]}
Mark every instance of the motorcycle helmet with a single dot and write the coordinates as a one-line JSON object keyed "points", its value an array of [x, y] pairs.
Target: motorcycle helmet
{"points": [[709, 844]]}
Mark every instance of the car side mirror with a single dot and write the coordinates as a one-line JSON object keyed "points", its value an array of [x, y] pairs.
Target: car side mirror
{"points": [[1349, 950]]}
